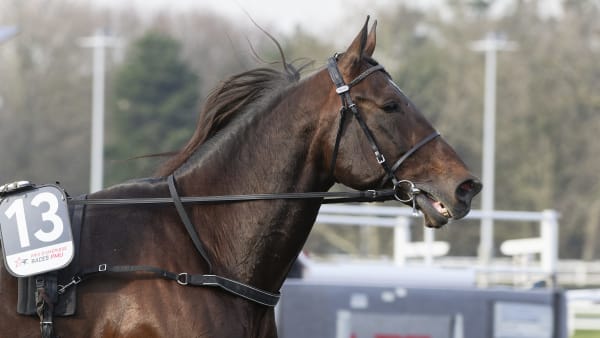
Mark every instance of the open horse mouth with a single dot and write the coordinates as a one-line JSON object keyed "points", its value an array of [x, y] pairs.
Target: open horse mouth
{"points": [[435, 213]]}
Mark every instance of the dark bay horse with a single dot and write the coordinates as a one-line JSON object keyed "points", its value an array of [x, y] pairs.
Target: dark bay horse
{"points": [[259, 132]]}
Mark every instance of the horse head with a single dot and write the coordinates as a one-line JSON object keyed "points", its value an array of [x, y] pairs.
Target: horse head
{"points": [[377, 137]]}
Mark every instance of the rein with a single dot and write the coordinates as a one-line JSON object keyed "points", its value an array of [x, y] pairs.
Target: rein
{"points": [[403, 190], [327, 197]]}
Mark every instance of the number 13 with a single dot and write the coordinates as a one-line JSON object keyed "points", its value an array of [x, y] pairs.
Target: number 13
{"points": [[17, 209]]}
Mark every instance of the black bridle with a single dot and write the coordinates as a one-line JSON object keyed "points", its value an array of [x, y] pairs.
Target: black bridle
{"points": [[404, 191], [343, 90]]}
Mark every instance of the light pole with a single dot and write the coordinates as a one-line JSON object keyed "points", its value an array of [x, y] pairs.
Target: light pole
{"points": [[98, 42], [6, 32], [490, 46]]}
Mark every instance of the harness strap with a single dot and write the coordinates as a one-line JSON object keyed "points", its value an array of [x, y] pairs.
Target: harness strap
{"points": [[46, 295], [234, 287], [191, 230]]}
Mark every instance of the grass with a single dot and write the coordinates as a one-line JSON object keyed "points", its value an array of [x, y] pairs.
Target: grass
{"points": [[586, 334]]}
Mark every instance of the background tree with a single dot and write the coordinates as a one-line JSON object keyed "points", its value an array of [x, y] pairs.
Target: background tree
{"points": [[154, 106], [45, 85]]}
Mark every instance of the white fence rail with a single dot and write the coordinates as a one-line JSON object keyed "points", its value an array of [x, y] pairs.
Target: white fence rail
{"points": [[398, 218]]}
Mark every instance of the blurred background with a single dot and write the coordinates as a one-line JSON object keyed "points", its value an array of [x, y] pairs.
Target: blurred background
{"points": [[163, 57]]}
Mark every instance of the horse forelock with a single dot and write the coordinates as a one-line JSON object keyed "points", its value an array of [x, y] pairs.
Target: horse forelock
{"points": [[241, 93]]}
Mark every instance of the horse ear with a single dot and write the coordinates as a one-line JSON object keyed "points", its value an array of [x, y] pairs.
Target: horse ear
{"points": [[354, 53], [371, 40]]}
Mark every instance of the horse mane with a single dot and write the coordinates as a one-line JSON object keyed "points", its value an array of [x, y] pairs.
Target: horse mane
{"points": [[228, 100]]}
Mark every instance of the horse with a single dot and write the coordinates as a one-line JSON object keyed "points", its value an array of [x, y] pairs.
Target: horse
{"points": [[261, 131]]}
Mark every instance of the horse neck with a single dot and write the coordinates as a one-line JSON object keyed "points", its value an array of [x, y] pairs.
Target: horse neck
{"points": [[274, 151]]}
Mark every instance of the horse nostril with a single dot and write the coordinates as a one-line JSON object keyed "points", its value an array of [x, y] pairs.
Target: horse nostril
{"points": [[468, 189]]}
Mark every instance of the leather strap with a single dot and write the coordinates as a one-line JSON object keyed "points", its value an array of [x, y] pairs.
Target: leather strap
{"points": [[236, 288], [338, 138], [327, 197], [191, 230], [412, 150], [45, 297]]}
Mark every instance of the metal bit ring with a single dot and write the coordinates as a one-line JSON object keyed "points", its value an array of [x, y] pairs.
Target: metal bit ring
{"points": [[412, 191]]}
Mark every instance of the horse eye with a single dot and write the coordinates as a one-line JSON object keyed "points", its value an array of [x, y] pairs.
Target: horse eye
{"points": [[391, 107]]}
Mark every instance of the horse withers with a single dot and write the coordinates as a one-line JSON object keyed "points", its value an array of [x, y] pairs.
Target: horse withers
{"points": [[261, 131]]}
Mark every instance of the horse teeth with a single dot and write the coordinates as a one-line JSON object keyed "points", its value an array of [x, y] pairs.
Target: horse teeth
{"points": [[445, 212], [442, 209]]}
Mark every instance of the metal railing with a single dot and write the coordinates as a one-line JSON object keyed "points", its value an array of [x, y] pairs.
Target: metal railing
{"points": [[399, 219]]}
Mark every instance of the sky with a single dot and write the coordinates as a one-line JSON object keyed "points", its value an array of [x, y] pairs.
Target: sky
{"points": [[312, 15]]}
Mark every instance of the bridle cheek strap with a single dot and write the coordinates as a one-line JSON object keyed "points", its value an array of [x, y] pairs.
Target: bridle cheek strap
{"points": [[343, 90]]}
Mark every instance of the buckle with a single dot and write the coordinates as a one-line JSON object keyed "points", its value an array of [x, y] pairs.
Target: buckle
{"points": [[183, 278], [380, 158], [101, 267]]}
